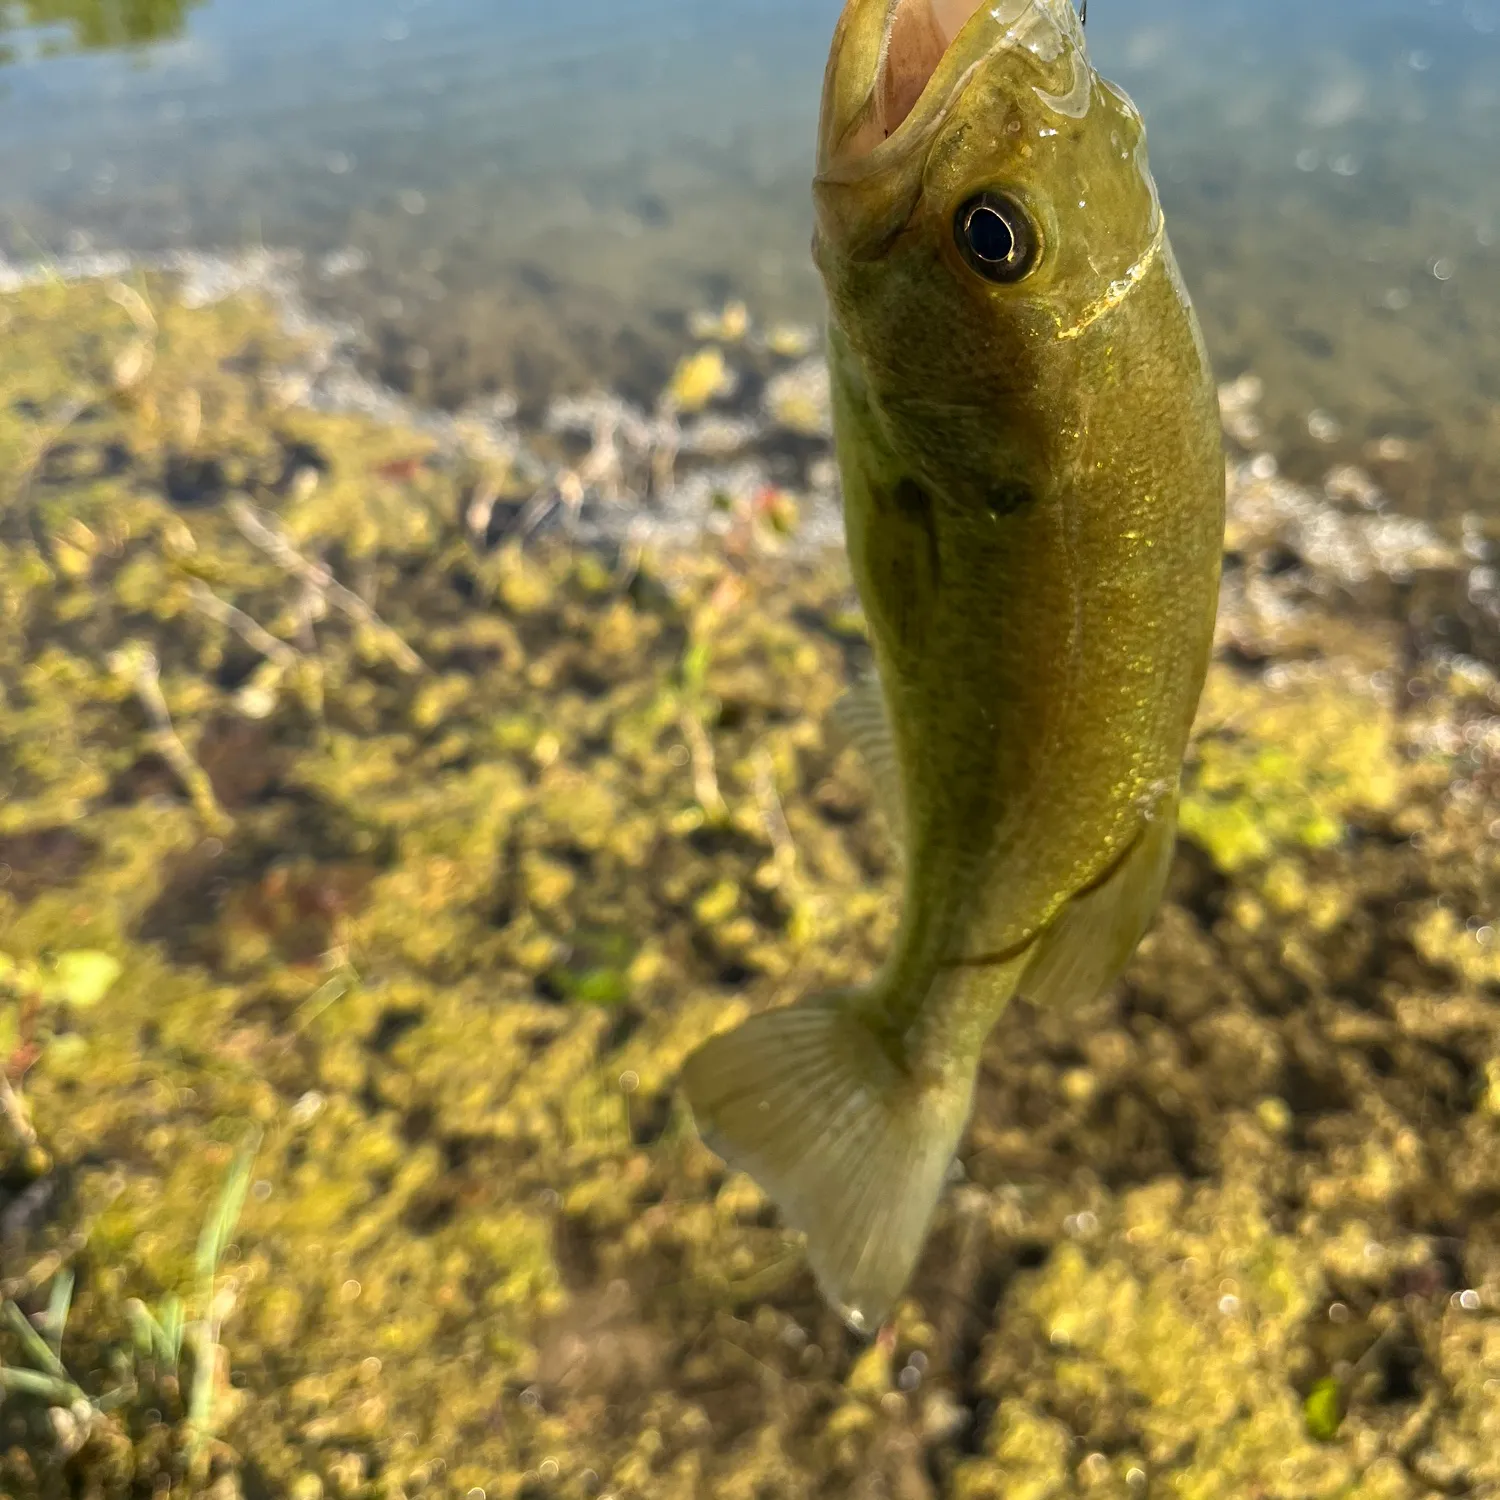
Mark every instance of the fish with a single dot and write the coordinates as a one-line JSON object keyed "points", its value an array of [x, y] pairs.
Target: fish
{"points": [[1033, 479]]}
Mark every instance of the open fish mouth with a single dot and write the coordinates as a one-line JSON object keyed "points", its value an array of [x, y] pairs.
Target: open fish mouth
{"points": [[896, 66], [918, 36]]}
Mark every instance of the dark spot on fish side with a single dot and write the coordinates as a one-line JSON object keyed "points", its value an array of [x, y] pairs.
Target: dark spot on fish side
{"points": [[915, 504], [904, 561], [1008, 497], [912, 499]]}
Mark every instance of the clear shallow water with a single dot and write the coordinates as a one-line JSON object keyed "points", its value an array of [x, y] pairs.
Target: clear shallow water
{"points": [[539, 193]]}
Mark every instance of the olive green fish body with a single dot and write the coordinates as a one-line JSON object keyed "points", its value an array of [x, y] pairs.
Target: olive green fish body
{"points": [[1042, 645], [1033, 487]]}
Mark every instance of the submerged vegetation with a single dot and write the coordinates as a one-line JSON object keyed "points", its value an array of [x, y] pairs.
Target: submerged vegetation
{"points": [[89, 25], [359, 816]]}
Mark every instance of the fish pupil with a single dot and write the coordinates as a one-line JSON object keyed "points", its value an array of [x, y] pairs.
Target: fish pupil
{"points": [[996, 237], [990, 237]]}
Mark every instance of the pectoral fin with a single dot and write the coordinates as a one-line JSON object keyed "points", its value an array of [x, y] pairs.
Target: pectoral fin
{"points": [[860, 718], [1092, 938]]}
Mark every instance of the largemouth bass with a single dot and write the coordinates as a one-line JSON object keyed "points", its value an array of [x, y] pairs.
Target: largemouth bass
{"points": [[1033, 483]]}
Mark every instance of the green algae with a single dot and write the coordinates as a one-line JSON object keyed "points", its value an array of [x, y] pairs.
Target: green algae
{"points": [[1323, 1410], [94, 24], [1286, 766], [469, 873]]}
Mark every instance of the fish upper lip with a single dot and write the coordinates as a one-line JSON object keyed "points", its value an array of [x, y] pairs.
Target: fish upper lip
{"points": [[931, 109], [919, 124], [917, 128]]}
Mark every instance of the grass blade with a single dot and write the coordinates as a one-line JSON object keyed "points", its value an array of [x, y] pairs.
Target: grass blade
{"points": [[201, 1400], [37, 1348], [204, 1331], [34, 1383], [169, 1330], [58, 1305], [221, 1221], [157, 1339], [143, 1327]]}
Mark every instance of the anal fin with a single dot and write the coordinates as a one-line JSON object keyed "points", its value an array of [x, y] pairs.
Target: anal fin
{"points": [[1092, 938]]}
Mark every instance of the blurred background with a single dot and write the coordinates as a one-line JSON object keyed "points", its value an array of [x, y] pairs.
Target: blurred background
{"points": [[421, 595], [532, 197]]}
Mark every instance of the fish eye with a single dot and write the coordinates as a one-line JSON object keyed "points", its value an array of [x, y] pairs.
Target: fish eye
{"points": [[996, 237]]}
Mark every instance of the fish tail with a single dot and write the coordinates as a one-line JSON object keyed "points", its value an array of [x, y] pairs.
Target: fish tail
{"points": [[847, 1142]]}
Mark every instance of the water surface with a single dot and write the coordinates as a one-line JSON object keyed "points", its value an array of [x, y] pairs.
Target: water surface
{"points": [[536, 195]]}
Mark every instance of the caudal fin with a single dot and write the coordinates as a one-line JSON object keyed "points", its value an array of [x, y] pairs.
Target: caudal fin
{"points": [[848, 1146]]}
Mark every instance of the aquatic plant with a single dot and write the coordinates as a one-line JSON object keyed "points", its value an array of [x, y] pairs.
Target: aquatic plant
{"points": [[93, 24], [152, 1371]]}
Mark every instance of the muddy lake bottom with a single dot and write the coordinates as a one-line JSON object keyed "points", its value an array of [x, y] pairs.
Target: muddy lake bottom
{"points": [[395, 795]]}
